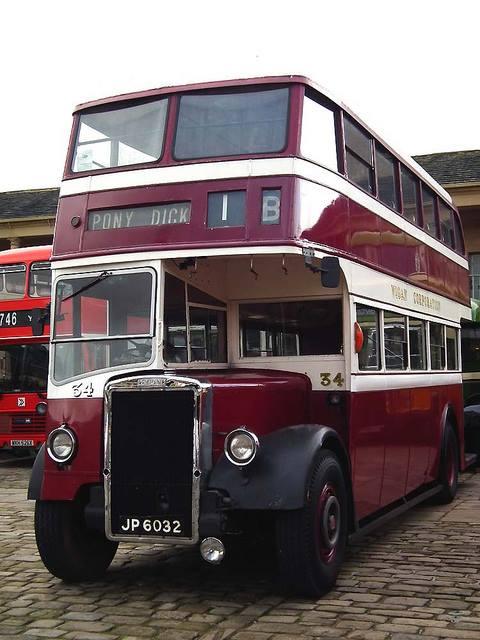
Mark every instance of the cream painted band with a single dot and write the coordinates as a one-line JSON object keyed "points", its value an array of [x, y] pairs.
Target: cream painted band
{"points": [[253, 168], [362, 282], [388, 381]]}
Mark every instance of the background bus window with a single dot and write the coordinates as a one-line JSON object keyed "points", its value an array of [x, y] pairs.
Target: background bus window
{"points": [[40, 280], [470, 337], [418, 347], [452, 349], [437, 346], [273, 329], [12, 281], [395, 340], [318, 134], [369, 356]]}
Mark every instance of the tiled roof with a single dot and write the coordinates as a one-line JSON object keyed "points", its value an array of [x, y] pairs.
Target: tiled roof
{"points": [[452, 167], [28, 204]]}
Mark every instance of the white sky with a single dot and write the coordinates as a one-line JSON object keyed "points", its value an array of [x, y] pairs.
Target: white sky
{"points": [[409, 68]]}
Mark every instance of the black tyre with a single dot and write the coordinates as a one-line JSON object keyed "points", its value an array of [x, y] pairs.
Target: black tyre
{"points": [[68, 549], [448, 476], [311, 541]]}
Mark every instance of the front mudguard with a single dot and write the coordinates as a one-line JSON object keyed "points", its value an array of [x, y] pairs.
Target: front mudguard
{"points": [[277, 479]]}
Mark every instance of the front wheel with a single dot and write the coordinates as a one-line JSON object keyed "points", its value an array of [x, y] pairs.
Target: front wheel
{"points": [[311, 541], [67, 548], [449, 466]]}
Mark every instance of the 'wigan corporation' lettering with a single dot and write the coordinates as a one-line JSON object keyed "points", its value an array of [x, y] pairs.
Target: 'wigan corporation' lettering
{"points": [[158, 215]]}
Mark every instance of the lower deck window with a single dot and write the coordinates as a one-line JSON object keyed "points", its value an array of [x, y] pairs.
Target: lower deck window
{"points": [[395, 338], [272, 329], [369, 355], [195, 324], [437, 346]]}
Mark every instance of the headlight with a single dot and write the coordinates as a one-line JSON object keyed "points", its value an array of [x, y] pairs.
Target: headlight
{"points": [[61, 444], [241, 446], [41, 408]]}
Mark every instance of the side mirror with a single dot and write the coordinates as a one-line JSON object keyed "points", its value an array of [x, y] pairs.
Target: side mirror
{"points": [[329, 269], [330, 272], [40, 318]]}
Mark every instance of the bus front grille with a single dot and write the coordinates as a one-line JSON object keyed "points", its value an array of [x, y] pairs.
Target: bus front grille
{"points": [[151, 449]]}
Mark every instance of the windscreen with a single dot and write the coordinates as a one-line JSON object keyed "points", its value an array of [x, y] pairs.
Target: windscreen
{"points": [[120, 137], [23, 368], [102, 321], [226, 124]]}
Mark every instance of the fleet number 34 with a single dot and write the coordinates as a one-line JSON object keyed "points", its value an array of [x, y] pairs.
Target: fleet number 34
{"points": [[326, 379]]}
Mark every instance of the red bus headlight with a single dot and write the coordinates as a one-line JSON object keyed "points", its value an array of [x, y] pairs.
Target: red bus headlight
{"points": [[41, 408]]}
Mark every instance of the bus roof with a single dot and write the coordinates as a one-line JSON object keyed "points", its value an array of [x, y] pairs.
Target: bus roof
{"points": [[286, 79], [26, 254]]}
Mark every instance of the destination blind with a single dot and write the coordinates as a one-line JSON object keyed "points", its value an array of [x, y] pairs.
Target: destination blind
{"points": [[157, 215]]}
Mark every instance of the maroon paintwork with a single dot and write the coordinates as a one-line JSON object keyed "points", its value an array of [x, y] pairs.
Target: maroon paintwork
{"points": [[390, 439], [343, 225], [395, 439]]}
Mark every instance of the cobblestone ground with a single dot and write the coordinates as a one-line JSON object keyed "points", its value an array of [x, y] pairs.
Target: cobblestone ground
{"points": [[419, 576]]}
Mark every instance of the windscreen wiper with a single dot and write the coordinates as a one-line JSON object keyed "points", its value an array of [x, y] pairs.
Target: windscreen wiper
{"points": [[102, 276]]}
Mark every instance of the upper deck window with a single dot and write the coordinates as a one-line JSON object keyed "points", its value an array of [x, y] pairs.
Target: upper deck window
{"points": [[12, 281], [318, 134], [445, 215], [120, 137], [410, 195], [358, 155], [429, 219], [387, 189], [230, 124], [40, 280]]}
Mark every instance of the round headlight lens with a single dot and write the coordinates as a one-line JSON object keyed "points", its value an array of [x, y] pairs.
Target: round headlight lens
{"points": [[61, 444], [41, 408], [241, 446]]}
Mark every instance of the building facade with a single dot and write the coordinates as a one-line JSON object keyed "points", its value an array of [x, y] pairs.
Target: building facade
{"points": [[27, 218]]}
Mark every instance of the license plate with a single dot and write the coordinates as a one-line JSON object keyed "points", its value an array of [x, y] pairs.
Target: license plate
{"points": [[150, 526], [21, 443]]}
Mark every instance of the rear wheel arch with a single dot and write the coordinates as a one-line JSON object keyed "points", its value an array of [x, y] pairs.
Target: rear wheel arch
{"points": [[449, 418]]}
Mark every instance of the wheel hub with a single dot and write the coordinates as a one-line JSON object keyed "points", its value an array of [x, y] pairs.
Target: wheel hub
{"points": [[330, 522]]}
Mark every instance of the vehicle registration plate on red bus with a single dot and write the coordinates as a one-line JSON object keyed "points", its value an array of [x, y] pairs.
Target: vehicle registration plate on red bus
{"points": [[21, 443]]}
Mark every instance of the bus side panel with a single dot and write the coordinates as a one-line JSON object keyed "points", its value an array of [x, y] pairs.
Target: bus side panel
{"points": [[367, 450], [396, 439]]}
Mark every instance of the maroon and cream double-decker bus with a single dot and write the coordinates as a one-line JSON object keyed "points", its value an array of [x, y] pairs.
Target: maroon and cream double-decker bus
{"points": [[255, 330]]}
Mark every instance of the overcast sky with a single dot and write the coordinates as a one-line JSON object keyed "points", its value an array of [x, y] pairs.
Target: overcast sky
{"points": [[409, 68]]}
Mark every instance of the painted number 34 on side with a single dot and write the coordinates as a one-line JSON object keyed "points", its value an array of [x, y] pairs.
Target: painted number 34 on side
{"points": [[327, 379]]}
